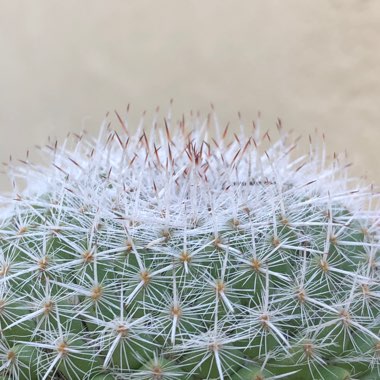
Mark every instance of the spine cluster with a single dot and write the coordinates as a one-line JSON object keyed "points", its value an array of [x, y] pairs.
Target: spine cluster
{"points": [[187, 252]]}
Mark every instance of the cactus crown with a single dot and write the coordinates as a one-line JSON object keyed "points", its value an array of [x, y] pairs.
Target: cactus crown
{"points": [[176, 255]]}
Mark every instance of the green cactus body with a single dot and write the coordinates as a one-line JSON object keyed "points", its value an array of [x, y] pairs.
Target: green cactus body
{"points": [[170, 255]]}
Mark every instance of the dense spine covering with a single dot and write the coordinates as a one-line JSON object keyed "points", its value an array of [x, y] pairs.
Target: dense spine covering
{"points": [[172, 254]]}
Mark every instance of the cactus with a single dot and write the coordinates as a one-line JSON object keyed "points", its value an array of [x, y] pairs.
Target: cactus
{"points": [[172, 254]]}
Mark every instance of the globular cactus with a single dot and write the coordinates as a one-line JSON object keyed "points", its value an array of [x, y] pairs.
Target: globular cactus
{"points": [[183, 253]]}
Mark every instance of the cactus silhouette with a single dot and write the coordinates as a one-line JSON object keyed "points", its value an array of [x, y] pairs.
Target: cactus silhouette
{"points": [[188, 252]]}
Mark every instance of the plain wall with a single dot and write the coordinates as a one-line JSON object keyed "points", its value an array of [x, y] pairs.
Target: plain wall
{"points": [[314, 64]]}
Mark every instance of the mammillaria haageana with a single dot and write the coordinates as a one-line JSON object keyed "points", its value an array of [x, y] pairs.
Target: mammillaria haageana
{"points": [[186, 252]]}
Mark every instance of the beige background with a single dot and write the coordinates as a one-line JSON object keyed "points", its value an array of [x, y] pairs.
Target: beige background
{"points": [[63, 64]]}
